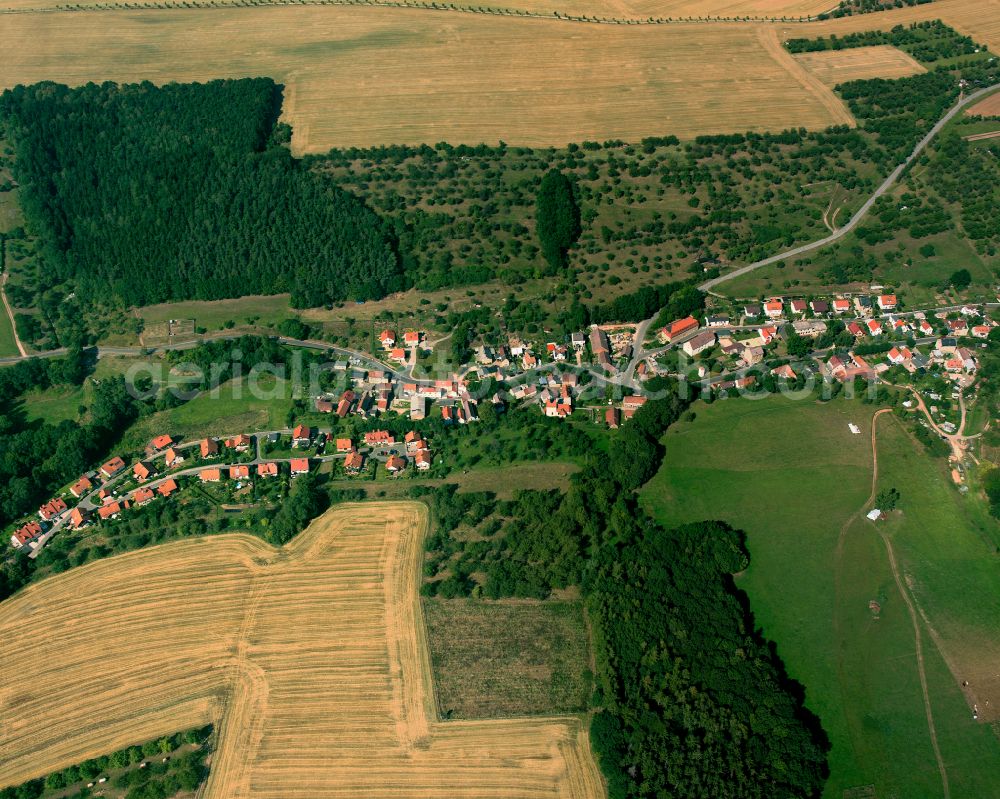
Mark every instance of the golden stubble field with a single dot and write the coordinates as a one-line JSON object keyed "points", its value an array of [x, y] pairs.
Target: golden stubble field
{"points": [[311, 659], [362, 76], [369, 76], [838, 66]]}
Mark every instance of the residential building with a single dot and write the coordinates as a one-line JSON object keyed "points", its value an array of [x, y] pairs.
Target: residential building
{"points": [[379, 438], [81, 487], [395, 464], [161, 442], [239, 472], [874, 327], [267, 470], [299, 466], [721, 320], [388, 339], [820, 307], [633, 403], [353, 462], [210, 475], [841, 305], [78, 518], [112, 467], [418, 407], [345, 445], [26, 533], [52, 509], [141, 471], [209, 447], [887, 302], [703, 341], [240, 443], [411, 338], [423, 460], [109, 511], [143, 496], [678, 328], [773, 309], [301, 436], [612, 417], [798, 306], [324, 405], [173, 458], [167, 487]]}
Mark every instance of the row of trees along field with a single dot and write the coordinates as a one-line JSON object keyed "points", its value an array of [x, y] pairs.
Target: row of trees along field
{"points": [[186, 191], [692, 701]]}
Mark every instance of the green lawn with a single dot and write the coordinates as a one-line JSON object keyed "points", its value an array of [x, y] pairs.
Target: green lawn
{"points": [[213, 315], [228, 409], [792, 475], [7, 345]]}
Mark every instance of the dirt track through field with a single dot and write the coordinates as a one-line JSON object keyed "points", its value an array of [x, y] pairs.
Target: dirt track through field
{"points": [[311, 659]]}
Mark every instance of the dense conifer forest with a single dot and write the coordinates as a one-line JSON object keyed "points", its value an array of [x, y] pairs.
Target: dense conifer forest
{"points": [[150, 194]]}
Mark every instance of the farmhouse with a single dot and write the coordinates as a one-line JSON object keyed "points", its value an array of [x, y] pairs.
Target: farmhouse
{"points": [[395, 464], [700, 343], [299, 466], [141, 471], [173, 458], [81, 487], [209, 447], [267, 470], [26, 533], [301, 436], [167, 488], [353, 462], [239, 472], [52, 508], [686, 325], [210, 475], [112, 467]]}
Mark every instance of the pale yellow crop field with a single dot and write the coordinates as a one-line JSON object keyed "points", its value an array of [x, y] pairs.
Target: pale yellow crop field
{"points": [[311, 659], [837, 66], [979, 19], [368, 76], [619, 9]]}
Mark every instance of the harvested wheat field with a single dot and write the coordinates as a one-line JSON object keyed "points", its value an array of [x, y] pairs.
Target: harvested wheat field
{"points": [[619, 9], [311, 659], [838, 66], [979, 19], [990, 107], [369, 76]]}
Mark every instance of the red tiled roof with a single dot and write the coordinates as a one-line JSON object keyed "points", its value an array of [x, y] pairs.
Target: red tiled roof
{"points": [[167, 488], [239, 472], [267, 469], [162, 441], [210, 475], [209, 446], [300, 465]]}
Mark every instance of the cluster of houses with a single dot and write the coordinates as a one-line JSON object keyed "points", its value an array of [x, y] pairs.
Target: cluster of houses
{"points": [[779, 308], [390, 343], [746, 351], [614, 416]]}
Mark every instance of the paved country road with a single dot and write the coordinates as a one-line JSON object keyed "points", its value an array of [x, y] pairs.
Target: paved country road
{"points": [[854, 220]]}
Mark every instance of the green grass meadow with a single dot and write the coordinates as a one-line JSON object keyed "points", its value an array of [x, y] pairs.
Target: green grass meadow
{"points": [[792, 476]]}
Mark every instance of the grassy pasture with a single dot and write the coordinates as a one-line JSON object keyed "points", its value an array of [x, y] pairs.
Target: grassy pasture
{"points": [[838, 66], [791, 475], [425, 76], [216, 314], [8, 346], [493, 659], [312, 660]]}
